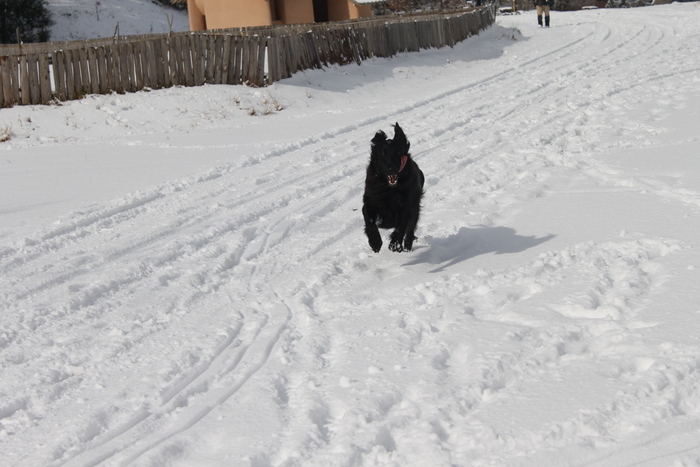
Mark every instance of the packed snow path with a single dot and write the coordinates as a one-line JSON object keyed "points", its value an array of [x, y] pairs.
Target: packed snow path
{"points": [[548, 314]]}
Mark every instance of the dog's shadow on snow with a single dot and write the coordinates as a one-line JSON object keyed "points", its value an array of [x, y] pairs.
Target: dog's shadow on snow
{"points": [[469, 243]]}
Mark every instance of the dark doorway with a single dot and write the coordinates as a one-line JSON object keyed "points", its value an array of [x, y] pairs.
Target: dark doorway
{"points": [[275, 11], [320, 11]]}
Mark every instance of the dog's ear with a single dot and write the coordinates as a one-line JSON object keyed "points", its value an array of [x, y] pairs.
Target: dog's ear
{"points": [[380, 137], [400, 140]]}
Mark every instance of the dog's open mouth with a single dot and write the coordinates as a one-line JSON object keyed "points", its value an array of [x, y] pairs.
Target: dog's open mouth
{"points": [[392, 179]]}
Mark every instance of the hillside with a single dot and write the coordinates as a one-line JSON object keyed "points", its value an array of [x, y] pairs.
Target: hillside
{"points": [[86, 19]]}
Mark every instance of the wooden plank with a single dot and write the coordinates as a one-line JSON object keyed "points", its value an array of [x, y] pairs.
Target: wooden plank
{"points": [[93, 70], [245, 58], [149, 65], [101, 56], [77, 74], [130, 71], [66, 58], [110, 68], [121, 78], [72, 69], [157, 64], [44, 78], [183, 57], [14, 77], [226, 59], [211, 59], [199, 58], [140, 71], [202, 58], [291, 53], [150, 56], [176, 62], [173, 62], [273, 68], [252, 60], [34, 84], [216, 55], [232, 61], [188, 52], [124, 67], [260, 74], [25, 96], [281, 58], [2, 90], [57, 79], [314, 51], [8, 97], [84, 71], [320, 47], [163, 63], [287, 57]]}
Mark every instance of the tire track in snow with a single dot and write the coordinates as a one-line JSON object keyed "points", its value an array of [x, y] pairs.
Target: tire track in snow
{"points": [[224, 363]]}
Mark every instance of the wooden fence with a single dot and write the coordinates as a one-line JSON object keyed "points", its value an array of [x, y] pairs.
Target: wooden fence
{"points": [[41, 73]]}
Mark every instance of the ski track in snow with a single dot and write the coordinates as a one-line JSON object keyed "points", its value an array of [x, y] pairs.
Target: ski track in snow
{"points": [[207, 304]]}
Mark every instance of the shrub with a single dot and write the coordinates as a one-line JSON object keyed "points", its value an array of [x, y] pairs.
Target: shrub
{"points": [[32, 17]]}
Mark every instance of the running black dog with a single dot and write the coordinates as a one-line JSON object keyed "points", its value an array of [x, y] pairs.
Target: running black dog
{"points": [[393, 191]]}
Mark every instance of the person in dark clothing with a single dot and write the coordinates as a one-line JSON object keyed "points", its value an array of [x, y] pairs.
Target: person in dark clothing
{"points": [[542, 6]]}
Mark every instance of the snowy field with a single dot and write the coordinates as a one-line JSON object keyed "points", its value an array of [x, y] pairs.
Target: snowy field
{"points": [[89, 19], [184, 278]]}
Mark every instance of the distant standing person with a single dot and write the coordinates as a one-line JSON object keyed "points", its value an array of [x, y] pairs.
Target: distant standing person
{"points": [[542, 5]]}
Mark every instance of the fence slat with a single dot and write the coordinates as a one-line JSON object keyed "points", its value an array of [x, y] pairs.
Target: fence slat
{"points": [[8, 97], [44, 79], [187, 56]]}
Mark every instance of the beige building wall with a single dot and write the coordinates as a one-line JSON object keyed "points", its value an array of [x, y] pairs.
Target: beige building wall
{"points": [[359, 11], [339, 10], [295, 11], [220, 14]]}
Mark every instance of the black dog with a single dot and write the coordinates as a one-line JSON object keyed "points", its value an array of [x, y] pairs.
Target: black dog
{"points": [[393, 190]]}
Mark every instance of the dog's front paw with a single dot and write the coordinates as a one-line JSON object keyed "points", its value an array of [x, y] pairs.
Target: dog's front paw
{"points": [[396, 246], [374, 239], [375, 242], [408, 243]]}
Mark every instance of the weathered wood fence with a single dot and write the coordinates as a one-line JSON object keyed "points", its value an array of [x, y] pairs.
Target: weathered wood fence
{"points": [[41, 73]]}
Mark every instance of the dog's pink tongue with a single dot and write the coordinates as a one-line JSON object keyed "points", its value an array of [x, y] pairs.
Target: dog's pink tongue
{"points": [[404, 159]]}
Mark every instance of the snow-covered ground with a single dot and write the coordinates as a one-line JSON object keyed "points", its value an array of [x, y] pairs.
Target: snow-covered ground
{"points": [[184, 278], [89, 19]]}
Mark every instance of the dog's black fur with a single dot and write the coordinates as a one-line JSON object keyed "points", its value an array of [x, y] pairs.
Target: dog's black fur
{"points": [[392, 193]]}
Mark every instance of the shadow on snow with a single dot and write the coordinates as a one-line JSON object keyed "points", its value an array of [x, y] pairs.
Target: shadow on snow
{"points": [[469, 243]]}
